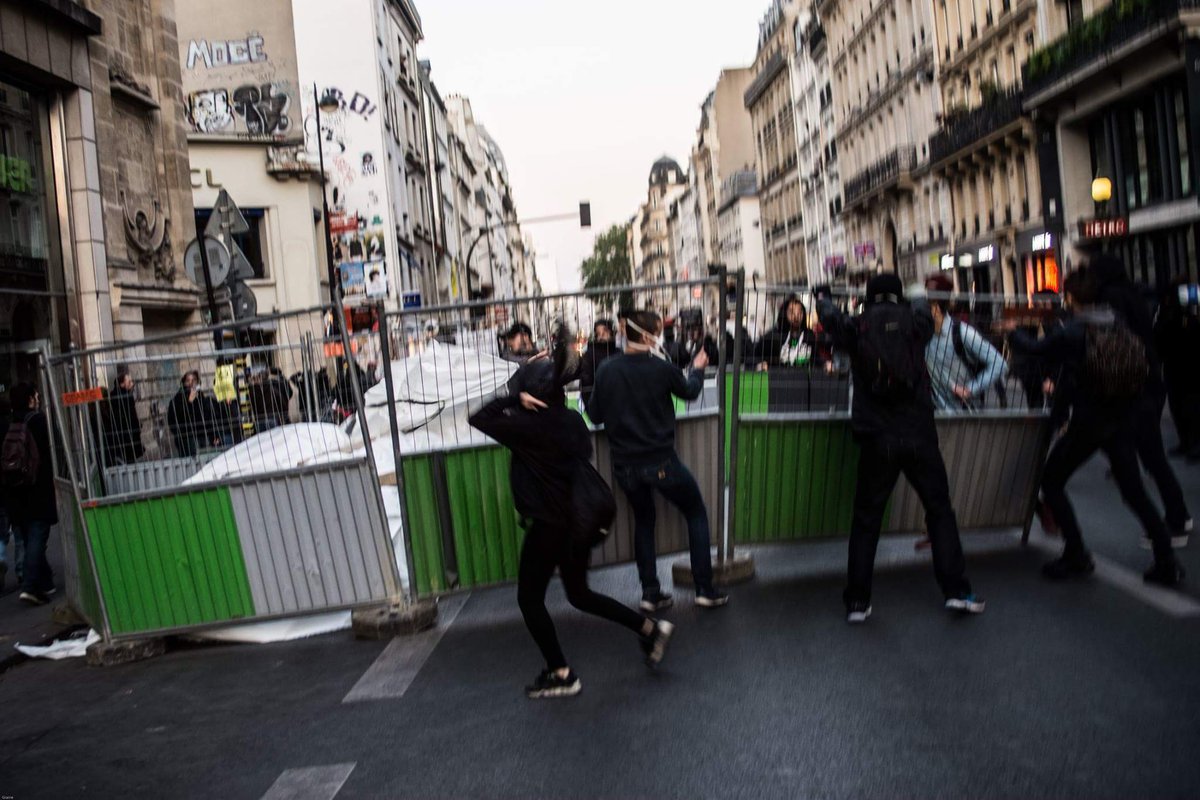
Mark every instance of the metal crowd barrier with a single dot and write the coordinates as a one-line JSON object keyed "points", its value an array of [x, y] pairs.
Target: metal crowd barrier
{"points": [[196, 508]]}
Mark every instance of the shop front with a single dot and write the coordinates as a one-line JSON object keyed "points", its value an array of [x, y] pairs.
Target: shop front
{"points": [[33, 310]]}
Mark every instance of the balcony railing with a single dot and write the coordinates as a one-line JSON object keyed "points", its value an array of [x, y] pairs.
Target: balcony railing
{"points": [[884, 173], [1097, 36], [962, 130]]}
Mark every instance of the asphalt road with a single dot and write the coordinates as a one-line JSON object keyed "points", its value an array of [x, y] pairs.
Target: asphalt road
{"points": [[1079, 690]]}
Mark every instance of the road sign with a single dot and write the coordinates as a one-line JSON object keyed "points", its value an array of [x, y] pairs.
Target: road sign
{"points": [[245, 304], [218, 261], [226, 217]]}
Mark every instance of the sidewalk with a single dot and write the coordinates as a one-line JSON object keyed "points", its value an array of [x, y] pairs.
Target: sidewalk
{"points": [[24, 624]]}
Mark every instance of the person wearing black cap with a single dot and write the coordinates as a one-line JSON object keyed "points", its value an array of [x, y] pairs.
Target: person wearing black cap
{"points": [[548, 440], [892, 421]]}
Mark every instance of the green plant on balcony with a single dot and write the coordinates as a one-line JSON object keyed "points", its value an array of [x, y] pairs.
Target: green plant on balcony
{"points": [[988, 91], [1086, 37]]}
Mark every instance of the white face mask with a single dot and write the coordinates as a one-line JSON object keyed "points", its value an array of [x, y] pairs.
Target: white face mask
{"points": [[656, 348]]}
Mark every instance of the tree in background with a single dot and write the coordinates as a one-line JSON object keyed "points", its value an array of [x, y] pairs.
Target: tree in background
{"points": [[607, 266]]}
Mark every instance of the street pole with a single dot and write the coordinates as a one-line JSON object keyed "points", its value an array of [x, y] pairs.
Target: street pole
{"points": [[333, 287]]}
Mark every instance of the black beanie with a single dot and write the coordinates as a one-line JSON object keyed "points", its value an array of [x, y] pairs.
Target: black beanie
{"points": [[887, 283]]}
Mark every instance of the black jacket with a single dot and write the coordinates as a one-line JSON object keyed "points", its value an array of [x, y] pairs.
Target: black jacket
{"points": [[36, 503], [194, 424], [871, 415], [122, 428], [632, 399], [546, 445], [589, 363]]}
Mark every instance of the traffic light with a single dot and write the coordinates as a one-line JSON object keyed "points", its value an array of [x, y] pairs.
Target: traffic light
{"points": [[585, 215]]}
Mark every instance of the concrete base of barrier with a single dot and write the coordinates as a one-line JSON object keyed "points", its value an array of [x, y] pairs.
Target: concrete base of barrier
{"points": [[111, 654], [738, 569], [397, 618]]}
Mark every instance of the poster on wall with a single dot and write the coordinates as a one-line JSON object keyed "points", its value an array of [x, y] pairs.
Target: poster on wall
{"points": [[239, 70]]}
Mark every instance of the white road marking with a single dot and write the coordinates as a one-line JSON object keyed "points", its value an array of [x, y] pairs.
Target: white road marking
{"points": [[1168, 601], [397, 666], [310, 783]]}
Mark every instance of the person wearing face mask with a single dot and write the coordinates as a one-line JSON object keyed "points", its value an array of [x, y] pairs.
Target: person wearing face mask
{"points": [[632, 398]]}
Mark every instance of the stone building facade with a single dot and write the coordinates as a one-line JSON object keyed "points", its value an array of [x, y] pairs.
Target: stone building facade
{"points": [[770, 98], [144, 171]]}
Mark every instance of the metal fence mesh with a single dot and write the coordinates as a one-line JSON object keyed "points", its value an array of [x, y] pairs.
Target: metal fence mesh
{"points": [[152, 414]]}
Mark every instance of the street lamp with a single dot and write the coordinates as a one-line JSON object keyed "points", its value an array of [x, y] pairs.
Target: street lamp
{"points": [[329, 103]]}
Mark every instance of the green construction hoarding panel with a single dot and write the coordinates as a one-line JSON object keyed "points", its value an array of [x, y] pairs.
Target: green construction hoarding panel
{"points": [[795, 481], [425, 524], [486, 528], [170, 562]]}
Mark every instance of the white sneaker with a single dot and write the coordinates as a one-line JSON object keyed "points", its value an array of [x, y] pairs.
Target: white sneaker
{"points": [[858, 614]]}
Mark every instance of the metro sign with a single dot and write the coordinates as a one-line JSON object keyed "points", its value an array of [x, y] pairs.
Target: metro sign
{"points": [[1112, 228]]}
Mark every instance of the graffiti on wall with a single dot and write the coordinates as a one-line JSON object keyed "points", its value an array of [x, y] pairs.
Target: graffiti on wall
{"points": [[228, 53], [261, 110]]}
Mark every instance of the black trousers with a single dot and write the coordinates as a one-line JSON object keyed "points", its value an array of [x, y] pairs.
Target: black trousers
{"points": [[545, 548], [1153, 455], [1114, 435], [882, 460]]}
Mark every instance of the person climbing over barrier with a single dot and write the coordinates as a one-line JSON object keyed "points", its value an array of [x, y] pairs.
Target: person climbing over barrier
{"points": [[563, 501], [632, 399], [892, 422]]}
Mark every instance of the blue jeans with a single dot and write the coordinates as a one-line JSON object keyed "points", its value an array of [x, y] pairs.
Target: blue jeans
{"points": [[674, 482], [35, 536], [6, 531]]}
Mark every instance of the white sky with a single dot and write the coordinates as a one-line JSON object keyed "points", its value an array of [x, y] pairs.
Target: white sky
{"points": [[583, 97]]}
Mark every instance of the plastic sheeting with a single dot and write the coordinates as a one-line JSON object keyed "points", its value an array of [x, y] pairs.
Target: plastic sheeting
{"points": [[433, 391], [74, 646]]}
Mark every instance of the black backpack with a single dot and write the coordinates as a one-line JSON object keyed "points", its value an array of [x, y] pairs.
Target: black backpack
{"points": [[593, 506], [973, 365], [19, 457], [1115, 365], [889, 361]]}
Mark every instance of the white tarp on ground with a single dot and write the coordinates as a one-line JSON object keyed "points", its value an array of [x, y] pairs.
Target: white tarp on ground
{"points": [[433, 391], [73, 646]]}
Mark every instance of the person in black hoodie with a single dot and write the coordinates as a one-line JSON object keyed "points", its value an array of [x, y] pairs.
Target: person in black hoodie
{"points": [[791, 343], [892, 421], [33, 507], [633, 400], [1103, 417], [1116, 290], [547, 439], [601, 347]]}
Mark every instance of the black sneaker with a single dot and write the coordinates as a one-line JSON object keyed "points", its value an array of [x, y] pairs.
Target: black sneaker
{"points": [[1065, 567], [1169, 574], [711, 598], [654, 645], [656, 600], [549, 684], [857, 613], [33, 598]]}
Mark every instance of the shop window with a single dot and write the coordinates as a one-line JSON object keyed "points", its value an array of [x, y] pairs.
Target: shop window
{"points": [[251, 242]]}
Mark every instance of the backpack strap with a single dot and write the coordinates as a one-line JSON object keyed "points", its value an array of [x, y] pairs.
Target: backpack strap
{"points": [[960, 349]]}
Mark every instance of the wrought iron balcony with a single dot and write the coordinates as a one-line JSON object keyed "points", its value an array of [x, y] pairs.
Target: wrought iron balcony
{"points": [[960, 131], [893, 170], [1098, 36]]}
